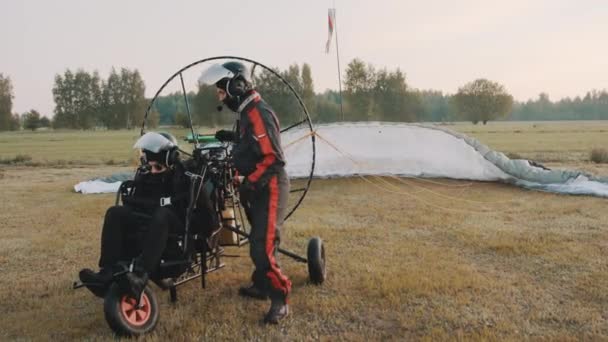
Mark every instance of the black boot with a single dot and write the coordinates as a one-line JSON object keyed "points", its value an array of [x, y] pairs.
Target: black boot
{"points": [[253, 291], [96, 282], [134, 280], [137, 283], [278, 310]]}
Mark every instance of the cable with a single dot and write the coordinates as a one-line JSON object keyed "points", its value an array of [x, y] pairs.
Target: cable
{"points": [[351, 158]]}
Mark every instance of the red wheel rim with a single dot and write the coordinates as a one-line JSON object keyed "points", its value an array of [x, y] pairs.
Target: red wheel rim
{"points": [[133, 314]]}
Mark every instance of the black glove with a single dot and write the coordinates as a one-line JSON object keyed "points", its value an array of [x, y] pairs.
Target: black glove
{"points": [[225, 135], [247, 186]]}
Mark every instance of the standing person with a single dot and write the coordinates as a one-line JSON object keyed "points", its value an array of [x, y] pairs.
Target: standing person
{"points": [[258, 157]]}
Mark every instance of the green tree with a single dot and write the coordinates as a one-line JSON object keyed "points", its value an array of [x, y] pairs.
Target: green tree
{"points": [[123, 101], [182, 120], [271, 88], [135, 100], [482, 100], [292, 111], [15, 123], [279, 96], [65, 115], [77, 99], [6, 102], [544, 106], [308, 88], [169, 105], [392, 100], [204, 109], [87, 93], [166, 107], [111, 102], [359, 86], [602, 105], [327, 108], [435, 106], [31, 120], [45, 122], [153, 119]]}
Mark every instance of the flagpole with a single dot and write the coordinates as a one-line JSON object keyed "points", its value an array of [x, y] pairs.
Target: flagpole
{"points": [[338, 58]]}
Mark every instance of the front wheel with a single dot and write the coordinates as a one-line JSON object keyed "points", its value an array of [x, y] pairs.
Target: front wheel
{"points": [[316, 261], [125, 317]]}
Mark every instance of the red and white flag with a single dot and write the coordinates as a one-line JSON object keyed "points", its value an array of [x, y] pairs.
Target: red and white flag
{"points": [[331, 19]]}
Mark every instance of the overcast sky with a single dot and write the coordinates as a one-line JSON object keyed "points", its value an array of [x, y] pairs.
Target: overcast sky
{"points": [[529, 46]]}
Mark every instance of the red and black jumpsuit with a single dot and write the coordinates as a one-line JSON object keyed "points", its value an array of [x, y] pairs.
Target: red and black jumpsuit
{"points": [[258, 156]]}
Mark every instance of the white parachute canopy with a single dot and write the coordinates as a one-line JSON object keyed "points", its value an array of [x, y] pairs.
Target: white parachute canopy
{"points": [[413, 150], [388, 149]]}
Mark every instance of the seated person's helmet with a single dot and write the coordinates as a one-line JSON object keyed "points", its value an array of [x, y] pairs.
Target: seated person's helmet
{"points": [[159, 147]]}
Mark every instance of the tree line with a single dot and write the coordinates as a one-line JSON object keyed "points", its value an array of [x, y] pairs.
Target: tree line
{"points": [[84, 100], [592, 106]]}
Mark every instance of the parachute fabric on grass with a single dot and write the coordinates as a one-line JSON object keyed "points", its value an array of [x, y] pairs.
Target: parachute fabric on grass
{"points": [[416, 150], [373, 148], [103, 185]]}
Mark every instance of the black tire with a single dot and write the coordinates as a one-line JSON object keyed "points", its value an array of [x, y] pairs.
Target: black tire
{"points": [[316, 261], [130, 322]]}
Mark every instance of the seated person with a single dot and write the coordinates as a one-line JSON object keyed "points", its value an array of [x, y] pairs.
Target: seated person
{"points": [[159, 202]]}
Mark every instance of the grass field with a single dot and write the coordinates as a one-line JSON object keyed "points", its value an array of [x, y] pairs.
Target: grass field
{"points": [[72, 148], [562, 142], [463, 261]]}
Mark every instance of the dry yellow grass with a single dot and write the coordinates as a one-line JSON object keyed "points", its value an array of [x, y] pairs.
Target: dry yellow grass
{"points": [[517, 265], [523, 265]]}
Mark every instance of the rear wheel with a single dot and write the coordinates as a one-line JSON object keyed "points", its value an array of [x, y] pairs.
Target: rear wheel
{"points": [[316, 261], [125, 317]]}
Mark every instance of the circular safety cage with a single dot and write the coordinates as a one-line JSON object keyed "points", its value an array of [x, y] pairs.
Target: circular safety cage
{"points": [[182, 101]]}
